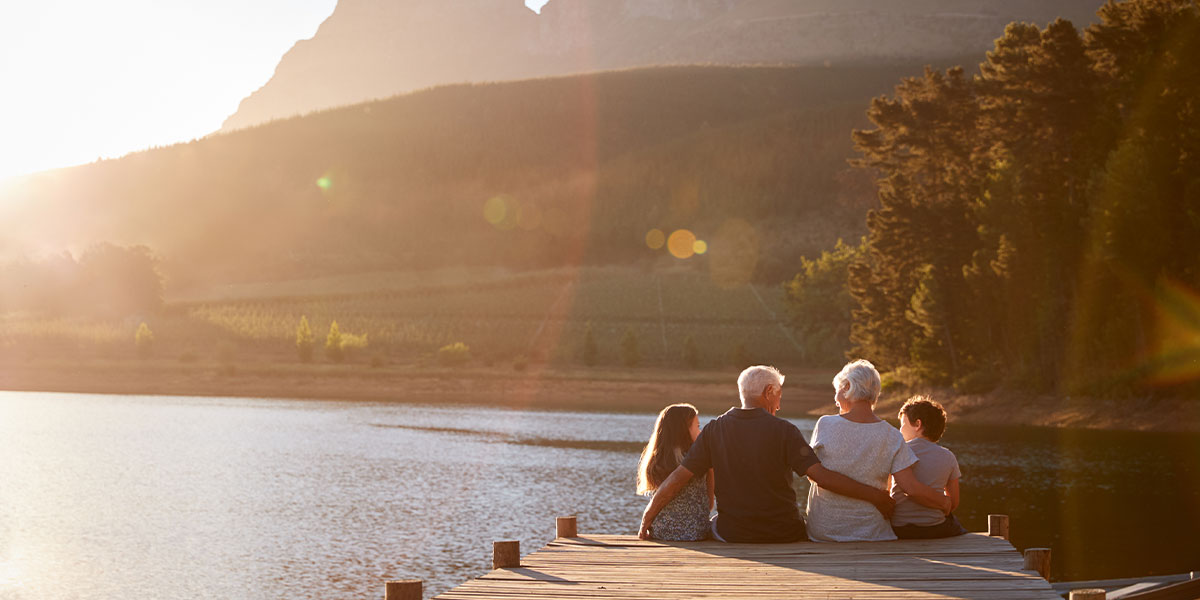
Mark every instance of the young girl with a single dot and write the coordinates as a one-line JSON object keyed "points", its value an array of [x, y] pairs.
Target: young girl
{"points": [[686, 517]]}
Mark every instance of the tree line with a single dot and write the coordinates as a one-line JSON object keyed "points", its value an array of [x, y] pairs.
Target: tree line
{"points": [[1038, 222]]}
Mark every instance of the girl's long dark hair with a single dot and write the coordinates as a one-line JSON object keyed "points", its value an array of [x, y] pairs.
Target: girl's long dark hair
{"points": [[670, 441]]}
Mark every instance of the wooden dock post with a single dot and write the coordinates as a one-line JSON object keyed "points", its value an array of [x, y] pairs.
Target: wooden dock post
{"points": [[566, 527], [998, 526], [403, 589], [1091, 594], [1038, 559], [623, 567], [506, 554]]}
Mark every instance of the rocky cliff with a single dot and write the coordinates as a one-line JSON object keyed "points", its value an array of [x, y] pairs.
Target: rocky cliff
{"points": [[377, 48]]}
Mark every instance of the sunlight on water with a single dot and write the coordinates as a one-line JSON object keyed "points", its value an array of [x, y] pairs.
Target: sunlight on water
{"points": [[124, 497]]}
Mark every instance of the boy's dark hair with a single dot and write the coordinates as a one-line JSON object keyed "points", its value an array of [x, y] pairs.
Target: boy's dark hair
{"points": [[930, 413]]}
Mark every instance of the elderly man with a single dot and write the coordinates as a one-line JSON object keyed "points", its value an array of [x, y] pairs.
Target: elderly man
{"points": [[753, 454]]}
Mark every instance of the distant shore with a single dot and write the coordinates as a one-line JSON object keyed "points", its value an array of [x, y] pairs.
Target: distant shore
{"points": [[600, 389]]}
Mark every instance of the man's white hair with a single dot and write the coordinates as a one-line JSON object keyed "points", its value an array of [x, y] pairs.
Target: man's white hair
{"points": [[861, 378], [754, 380]]}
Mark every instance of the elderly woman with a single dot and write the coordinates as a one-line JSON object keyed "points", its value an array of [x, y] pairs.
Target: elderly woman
{"points": [[867, 449]]}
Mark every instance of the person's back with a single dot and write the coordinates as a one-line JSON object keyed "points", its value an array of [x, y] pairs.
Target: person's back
{"points": [[935, 467], [922, 422], [753, 455], [866, 452]]}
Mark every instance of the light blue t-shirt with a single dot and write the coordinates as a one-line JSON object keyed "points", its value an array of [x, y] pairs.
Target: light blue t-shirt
{"points": [[935, 467]]}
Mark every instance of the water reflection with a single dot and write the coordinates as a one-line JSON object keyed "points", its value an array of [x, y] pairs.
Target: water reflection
{"points": [[137, 497]]}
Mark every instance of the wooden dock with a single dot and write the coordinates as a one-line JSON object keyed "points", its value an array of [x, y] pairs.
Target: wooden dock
{"points": [[597, 567]]}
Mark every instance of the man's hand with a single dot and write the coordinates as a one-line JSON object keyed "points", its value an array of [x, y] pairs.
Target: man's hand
{"points": [[921, 493], [666, 492], [644, 529], [885, 504], [840, 484]]}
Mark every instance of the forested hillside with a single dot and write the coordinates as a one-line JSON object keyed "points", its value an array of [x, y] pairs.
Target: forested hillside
{"points": [[1040, 221], [752, 160]]}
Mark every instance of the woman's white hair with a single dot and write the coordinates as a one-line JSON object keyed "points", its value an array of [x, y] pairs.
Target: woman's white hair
{"points": [[754, 380], [860, 379]]}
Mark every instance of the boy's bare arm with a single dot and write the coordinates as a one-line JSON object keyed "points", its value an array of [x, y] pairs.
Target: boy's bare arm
{"points": [[921, 493], [952, 493]]}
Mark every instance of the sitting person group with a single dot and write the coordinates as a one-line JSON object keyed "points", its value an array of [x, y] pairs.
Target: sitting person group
{"points": [[869, 481]]}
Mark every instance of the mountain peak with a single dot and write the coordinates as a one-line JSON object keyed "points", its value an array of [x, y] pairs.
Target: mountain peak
{"points": [[369, 49]]}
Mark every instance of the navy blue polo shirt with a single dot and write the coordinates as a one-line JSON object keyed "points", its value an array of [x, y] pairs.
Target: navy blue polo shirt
{"points": [[753, 455]]}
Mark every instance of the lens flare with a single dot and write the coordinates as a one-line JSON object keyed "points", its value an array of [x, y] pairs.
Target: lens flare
{"points": [[1177, 343], [700, 247], [502, 212], [682, 244], [325, 183], [655, 238]]}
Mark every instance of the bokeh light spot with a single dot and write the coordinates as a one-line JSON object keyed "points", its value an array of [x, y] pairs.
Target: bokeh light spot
{"points": [[682, 243], [700, 247], [495, 209], [325, 183], [655, 238]]}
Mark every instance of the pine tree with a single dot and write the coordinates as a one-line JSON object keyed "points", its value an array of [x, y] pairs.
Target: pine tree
{"points": [[304, 340], [143, 340], [333, 344]]}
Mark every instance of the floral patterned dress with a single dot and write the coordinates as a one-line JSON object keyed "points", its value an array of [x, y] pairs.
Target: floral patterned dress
{"points": [[685, 518]]}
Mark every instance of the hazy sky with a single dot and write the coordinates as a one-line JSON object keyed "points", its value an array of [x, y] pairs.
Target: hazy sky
{"points": [[82, 79]]}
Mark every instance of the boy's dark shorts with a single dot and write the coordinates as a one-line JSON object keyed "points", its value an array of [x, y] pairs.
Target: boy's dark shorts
{"points": [[948, 528]]}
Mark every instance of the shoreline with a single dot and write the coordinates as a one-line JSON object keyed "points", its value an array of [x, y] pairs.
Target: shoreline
{"points": [[599, 389]]}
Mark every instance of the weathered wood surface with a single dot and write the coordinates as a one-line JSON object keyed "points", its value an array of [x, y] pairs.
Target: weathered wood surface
{"points": [[617, 566]]}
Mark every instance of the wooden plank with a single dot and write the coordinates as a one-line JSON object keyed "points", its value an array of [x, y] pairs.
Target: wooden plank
{"points": [[598, 567]]}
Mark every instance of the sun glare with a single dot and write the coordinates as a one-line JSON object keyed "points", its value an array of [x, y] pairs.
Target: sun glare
{"points": [[121, 76]]}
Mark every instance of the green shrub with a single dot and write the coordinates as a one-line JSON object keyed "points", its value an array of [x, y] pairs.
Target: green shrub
{"points": [[304, 340], [353, 344], [901, 378], [333, 344], [978, 382], [144, 340], [454, 354]]}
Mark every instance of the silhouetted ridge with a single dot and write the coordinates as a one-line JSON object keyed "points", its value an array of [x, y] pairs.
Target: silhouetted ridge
{"points": [[377, 48]]}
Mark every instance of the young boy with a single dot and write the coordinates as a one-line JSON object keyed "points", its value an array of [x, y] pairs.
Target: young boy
{"points": [[922, 422]]}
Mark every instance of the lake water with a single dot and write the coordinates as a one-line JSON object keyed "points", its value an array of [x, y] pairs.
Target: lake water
{"points": [[152, 497]]}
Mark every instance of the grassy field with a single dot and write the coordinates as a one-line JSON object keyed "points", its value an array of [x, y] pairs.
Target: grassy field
{"points": [[537, 316]]}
